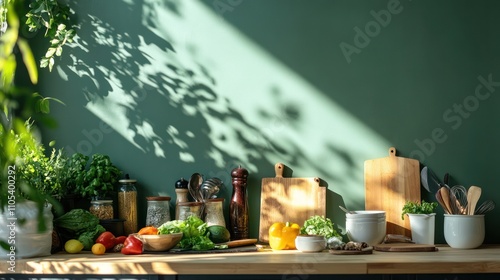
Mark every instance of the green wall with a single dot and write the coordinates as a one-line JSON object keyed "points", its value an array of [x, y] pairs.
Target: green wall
{"points": [[169, 88]]}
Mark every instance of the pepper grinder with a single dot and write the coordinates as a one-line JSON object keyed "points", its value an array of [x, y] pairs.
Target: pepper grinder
{"points": [[181, 191], [238, 207]]}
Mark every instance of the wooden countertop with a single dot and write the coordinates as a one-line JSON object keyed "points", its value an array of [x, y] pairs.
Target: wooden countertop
{"points": [[482, 260]]}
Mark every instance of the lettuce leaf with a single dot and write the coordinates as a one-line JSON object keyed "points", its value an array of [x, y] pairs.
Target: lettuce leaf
{"points": [[195, 234], [319, 225]]}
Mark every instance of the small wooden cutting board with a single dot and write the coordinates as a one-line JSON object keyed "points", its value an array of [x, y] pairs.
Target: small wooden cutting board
{"points": [[289, 200], [389, 183], [405, 247]]}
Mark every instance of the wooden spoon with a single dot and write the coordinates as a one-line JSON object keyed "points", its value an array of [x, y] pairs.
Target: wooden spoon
{"points": [[445, 194], [473, 195], [439, 198]]}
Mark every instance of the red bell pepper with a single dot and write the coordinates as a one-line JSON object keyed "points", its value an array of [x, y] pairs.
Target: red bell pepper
{"points": [[107, 239], [120, 239], [132, 246]]}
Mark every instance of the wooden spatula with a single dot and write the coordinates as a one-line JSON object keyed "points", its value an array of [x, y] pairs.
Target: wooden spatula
{"points": [[473, 195]]}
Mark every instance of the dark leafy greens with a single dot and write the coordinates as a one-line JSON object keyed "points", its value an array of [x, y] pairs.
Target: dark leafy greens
{"points": [[195, 234], [319, 225]]}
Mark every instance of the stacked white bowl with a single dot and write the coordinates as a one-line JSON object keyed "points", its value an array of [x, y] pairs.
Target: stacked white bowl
{"points": [[367, 226]]}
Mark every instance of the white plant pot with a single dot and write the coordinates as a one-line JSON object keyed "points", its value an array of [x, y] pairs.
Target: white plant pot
{"points": [[422, 228], [25, 237]]}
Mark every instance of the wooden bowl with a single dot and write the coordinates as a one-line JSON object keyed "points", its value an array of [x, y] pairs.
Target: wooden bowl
{"points": [[160, 242]]}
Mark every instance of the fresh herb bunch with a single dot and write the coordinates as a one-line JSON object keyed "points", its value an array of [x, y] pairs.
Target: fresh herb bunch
{"points": [[74, 172], [319, 225], [44, 173], [100, 179], [418, 208]]}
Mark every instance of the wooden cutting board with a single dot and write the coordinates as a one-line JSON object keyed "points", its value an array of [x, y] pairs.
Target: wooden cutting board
{"points": [[289, 200], [389, 183], [405, 247]]}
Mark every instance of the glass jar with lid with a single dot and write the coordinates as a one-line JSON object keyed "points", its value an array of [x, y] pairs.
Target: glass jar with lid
{"points": [[158, 210], [127, 204], [102, 209]]}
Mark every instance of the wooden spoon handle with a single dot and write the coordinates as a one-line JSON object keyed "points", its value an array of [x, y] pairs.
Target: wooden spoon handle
{"points": [[445, 194]]}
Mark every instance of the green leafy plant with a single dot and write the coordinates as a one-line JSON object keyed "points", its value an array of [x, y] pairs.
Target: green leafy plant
{"points": [[19, 104], [35, 168], [73, 176], [100, 179], [55, 18], [424, 207]]}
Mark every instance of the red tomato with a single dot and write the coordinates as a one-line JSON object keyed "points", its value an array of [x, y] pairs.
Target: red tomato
{"points": [[107, 239], [120, 239]]}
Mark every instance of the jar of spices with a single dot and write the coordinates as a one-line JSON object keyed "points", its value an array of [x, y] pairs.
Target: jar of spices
{"points": [[214, 214], [127, 205], [158, 210], [187, 209], [102, 209]]}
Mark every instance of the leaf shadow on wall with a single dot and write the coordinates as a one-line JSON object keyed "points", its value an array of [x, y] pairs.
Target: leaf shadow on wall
{"points": [[165, 108]]}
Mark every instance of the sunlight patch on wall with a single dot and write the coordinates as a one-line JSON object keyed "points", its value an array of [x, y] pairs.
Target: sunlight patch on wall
{"points": [[191, 86], [283, 117]]}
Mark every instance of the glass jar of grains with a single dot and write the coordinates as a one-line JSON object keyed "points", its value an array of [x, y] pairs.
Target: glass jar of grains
{"points": [[158, 210], [102, 209], [127, 205]]}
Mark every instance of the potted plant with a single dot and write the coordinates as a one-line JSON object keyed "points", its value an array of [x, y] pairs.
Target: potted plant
{"points": [[36, 169], [422, 220], [100, 179], [73, 177]]}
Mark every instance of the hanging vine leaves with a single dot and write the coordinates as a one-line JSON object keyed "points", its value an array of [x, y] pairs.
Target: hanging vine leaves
{"points": [[55, 18]]}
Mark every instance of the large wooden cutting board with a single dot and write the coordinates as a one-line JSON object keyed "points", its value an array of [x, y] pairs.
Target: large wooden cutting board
{"points": [[289, 200], [389, 183]]}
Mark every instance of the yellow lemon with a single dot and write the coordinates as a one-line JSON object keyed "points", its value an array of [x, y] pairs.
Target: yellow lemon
{"points": [[73, 246], [98, 249]]}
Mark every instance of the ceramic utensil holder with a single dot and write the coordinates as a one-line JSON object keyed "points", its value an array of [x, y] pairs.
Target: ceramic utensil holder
{"points": [[464, 231]]}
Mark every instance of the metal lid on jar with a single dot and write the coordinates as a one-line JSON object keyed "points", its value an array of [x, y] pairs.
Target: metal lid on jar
{"points": [[158, 198], [127, 180], [101, 201]]}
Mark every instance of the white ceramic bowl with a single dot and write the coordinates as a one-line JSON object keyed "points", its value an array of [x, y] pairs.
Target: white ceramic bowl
{"points": [[159, 242], [310, 243], [366, 214], [381, 219], [464, 231], [371, 232]]}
